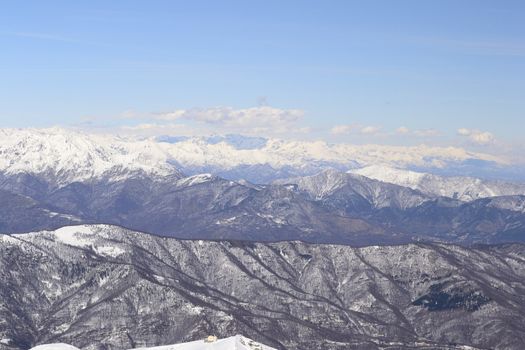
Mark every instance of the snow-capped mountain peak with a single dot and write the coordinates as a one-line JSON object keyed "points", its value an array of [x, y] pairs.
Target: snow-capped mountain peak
{"points": [[390, 174], [195, 179], [67, 156], [459, 187], [64, 156], [321, 184]]}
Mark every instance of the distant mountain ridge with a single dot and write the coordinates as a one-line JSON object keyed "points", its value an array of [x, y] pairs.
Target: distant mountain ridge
{"points": [[61, 157], [330, 207], [332, 183], [66, 156], [457, 187], [52, 177]]}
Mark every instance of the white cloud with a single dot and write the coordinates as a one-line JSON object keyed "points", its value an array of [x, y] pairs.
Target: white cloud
{"points": [[403, 130], [255, 119], [130, 114], [345, 129], [261, 121], [427, 132], [464, 132], [156, 129], [342, 129], [482, 138], [370, 130], [477, 136], [139, 127]]}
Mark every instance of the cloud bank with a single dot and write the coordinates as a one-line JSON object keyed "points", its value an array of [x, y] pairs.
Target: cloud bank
{"points": [[476, 136], [262, 119]]}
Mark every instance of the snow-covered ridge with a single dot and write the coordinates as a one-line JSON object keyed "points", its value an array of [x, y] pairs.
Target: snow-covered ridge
{"points": [[321, 184], [195, 179], [68, 156], [459, 187], [237, 342], [137, 285], [96, 237], [279, 153], [55, 346], [331, 182]]}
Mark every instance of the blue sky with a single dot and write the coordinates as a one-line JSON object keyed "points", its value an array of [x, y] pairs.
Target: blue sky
{"points": [[351, 71]]}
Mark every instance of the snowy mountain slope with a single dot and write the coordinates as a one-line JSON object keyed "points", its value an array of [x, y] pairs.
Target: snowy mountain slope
{"points": [[53, 177], [513, 203], [100, 286], [64, 156], [263, 162], [56, 346], [19, 213], [330, 207], [237, 342], [462, 188], [331, 185], [209, 207], [280, 153]]}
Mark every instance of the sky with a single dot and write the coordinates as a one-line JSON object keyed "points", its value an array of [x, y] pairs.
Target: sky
{"points": [[437, 72]]}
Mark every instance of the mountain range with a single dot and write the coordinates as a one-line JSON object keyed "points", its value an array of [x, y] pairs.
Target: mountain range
{"points": [[99, 286], [66, 156], [53, 177], [104, 287], [330, 207], [115, 243]]}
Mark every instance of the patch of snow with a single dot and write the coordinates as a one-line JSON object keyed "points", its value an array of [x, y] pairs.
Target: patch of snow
{"points": [[9, 239], [237, 342], [195, 180], [111, 251], [193, 309], [277, 220], [78, 236], [227, 221], [56, 346], [161, 279]]}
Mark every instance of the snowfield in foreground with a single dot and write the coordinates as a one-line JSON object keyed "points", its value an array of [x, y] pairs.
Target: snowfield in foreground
{"points": [[56, 346], [237, 342]]}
